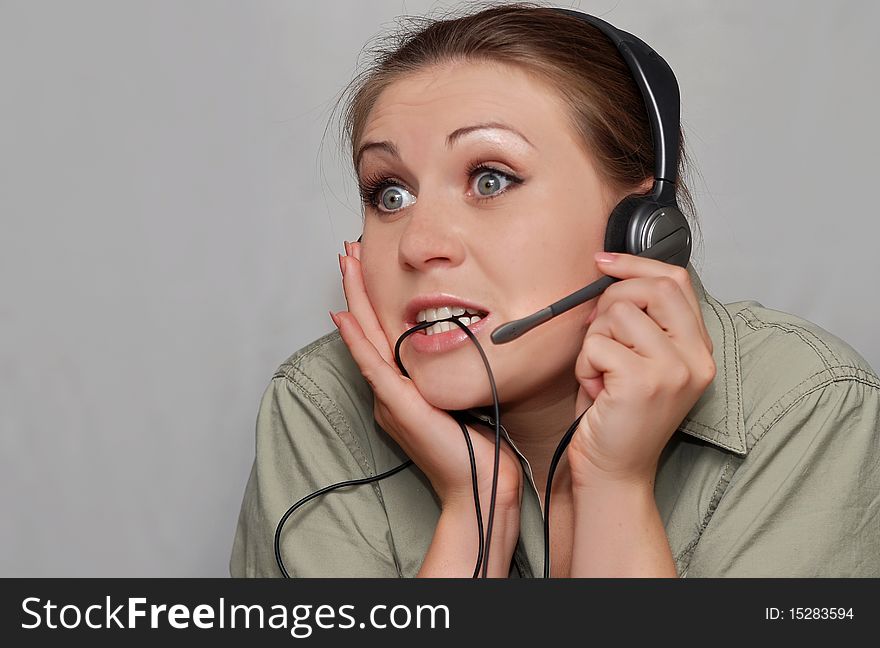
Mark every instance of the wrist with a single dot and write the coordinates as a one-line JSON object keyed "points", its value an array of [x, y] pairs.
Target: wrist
{"points": [[586, 475], [595, 481], [454, 549], [506, 507], [505, 522], [508, 496]]}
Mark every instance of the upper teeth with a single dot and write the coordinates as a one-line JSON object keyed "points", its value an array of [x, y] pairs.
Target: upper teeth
{"points": [[431, 314], [444, 312]]}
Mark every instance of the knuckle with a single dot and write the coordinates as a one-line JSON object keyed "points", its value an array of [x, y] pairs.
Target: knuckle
{"points": [[680, 375], [583, 358], [588, 351], [609, 296], [619, 309], [591, 344], [582, 370], [667, 285], [680, 276], [611, 291], [709, 370]]}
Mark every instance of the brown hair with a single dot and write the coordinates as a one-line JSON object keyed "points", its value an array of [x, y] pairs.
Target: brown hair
{"points": [[606, 107]]}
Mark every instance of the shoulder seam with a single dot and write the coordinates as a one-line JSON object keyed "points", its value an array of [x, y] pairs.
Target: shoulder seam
{"points": [[320, 406], [788, 327], [368, 470], [825, 378], [293, 361]]}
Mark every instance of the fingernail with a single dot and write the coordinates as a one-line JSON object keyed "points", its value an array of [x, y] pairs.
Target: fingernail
{"points": [[605, 257], [356, 251], [333, 317], [347, 248], [341, 268]]}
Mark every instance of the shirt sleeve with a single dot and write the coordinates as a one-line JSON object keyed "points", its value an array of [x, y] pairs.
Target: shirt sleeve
{"points": [[805, 502], [342, 533]]}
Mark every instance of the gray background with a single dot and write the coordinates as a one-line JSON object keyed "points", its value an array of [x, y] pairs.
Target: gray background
{"points": [[170, 222]]}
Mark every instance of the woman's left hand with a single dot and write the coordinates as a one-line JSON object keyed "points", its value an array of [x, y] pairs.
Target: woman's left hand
{"points": [[645, 361]]}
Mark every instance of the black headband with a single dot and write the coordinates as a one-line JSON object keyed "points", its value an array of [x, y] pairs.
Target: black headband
{"points": [[659, 90]]}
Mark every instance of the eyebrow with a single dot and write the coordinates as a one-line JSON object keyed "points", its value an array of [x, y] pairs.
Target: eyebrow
{"points": [[451, 139]]}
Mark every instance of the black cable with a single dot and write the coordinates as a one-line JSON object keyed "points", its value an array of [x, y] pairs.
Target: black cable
{"points": [[557, 455], [470, 445], [388, 473], [473, 338], [350, 482], [484, 539], [365, 480]]}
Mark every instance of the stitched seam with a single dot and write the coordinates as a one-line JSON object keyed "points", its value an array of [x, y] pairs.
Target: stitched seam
{"points": [[861, 376], [690, 428], [788, 408], [720, 489], [293, 364], [724, 356], [339, 416], [724, 362], [802, 333], [714, 304]]}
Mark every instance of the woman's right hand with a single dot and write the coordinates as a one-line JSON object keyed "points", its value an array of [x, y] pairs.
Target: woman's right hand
{"points": [[428, 435]]}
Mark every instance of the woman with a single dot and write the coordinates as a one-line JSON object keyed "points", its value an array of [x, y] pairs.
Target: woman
{"points": [[716, 440]]}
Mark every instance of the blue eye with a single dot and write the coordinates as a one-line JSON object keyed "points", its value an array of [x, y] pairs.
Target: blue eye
{"points": [[385, 194], [489, 181], [392, 198], [389, 195]]}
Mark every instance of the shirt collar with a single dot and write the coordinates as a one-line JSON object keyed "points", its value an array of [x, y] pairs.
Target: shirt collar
{"points": [[717, 417]]}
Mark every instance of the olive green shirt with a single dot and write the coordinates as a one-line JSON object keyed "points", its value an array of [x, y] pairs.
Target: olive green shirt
{"points": [[774, 472]]}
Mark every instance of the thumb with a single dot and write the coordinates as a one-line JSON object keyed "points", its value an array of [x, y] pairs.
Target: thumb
{"points": [[382, 377]]}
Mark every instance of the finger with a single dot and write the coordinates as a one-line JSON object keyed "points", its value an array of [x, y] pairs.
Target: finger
{"points": [[664, 302], [625, 322], [603, 355], [627, 266], [393, 390], [360, 306]]}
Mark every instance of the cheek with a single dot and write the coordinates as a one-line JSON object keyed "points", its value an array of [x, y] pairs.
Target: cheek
{"points": [[382, 295], [554, 245], [549, 269]]}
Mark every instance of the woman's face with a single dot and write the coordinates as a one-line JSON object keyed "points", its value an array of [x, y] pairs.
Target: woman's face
{"points": [[488, 200]]}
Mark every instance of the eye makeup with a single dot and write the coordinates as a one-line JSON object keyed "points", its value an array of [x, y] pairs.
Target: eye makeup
{"points": [[371, 187]]}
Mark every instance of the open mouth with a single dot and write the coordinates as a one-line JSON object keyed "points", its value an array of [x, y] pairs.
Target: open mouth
{"points": [[467, 316]]}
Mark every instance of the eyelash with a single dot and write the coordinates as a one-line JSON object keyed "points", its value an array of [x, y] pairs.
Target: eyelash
{"points": [[374, 185]]}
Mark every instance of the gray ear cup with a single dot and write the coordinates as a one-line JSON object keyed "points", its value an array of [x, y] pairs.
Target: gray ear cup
{"points": [[652, 222], [618, 224], [638, 222]]}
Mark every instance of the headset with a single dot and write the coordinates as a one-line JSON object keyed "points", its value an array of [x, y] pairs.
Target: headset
{"points": [[652, 225], [649, 225]]}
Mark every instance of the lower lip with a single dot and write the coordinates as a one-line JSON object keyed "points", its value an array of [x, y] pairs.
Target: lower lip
{"points": [[439, 342]]}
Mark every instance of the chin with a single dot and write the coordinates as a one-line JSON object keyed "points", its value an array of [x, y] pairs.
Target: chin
{"points": [[454, 392]]}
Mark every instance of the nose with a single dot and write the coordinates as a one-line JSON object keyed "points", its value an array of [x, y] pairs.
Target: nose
{"points": [[431, 237]]}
